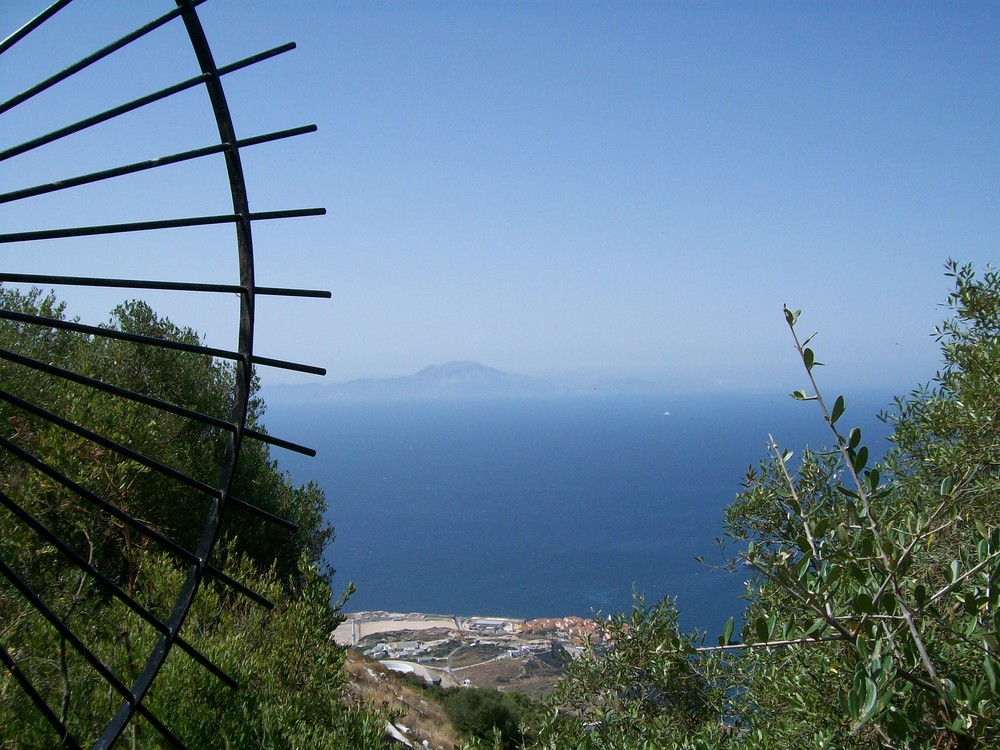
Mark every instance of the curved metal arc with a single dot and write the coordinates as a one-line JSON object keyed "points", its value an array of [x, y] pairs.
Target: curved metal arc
{"points": [[242, 218], [244, 374]]}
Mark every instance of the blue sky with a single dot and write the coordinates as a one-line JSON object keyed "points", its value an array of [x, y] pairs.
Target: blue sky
{"points": [[609, 189]]}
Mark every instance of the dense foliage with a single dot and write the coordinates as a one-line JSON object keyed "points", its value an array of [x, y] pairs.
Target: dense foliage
{"points": [[484, 716], [289, 670], [873, 612]]}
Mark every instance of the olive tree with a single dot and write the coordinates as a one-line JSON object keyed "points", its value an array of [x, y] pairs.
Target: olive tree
{"points": [[873, 608]]}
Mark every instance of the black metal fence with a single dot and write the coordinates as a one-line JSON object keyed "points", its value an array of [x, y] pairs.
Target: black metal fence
{"points": [[232, 428]]}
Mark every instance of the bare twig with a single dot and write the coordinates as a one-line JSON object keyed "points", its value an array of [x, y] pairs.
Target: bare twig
{"points": [[774, 644]]}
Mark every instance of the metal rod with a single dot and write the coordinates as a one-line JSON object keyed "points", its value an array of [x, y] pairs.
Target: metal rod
{"points": [[108, 114], [115, 390], [207, 663], [22, 680], [310, 369], [90, 59], [150, 401], [171, 286], [277, 520], [164, 343], [284, 292], [113, 445], [130, 698], [45, 533], [286, 444], [142, 226], [64, 630], [109, 508], [142, 101], [242, 383], [140, 166], [159, 727], [248, 592], [33, 24], [111, 333]]}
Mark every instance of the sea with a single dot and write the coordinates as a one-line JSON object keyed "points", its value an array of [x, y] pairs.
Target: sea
{"points": [[544, 507]]}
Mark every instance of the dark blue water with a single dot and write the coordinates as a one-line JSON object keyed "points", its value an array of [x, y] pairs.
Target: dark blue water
{"points": [[541, 508]]}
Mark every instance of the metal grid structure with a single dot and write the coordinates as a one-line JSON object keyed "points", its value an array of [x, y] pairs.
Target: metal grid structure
{"points": [[195, 560]]}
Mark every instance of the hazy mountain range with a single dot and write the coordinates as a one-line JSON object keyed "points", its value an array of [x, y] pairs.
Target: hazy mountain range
{"points": [[450, 380]]}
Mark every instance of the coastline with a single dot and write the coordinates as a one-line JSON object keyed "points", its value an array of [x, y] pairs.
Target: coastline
{"points": [[457, 651]]}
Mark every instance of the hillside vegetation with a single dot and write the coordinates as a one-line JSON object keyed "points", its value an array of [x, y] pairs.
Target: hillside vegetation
{"points": [[289, 670]]}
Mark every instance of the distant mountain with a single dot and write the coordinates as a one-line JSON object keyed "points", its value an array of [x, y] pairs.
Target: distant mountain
{"points": [[450, 380]]}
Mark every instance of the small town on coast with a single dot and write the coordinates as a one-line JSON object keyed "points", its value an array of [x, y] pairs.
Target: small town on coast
{"points": [[478, 651]]}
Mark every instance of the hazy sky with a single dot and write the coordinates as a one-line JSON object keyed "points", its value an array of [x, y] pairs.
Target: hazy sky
{"points": [[626, 189]]}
